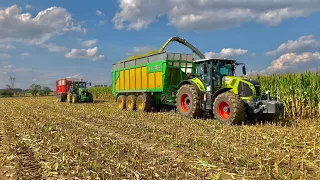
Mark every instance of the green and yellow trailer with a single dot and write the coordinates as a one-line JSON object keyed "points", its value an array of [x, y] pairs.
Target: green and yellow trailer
{"points": [[150, 81]]}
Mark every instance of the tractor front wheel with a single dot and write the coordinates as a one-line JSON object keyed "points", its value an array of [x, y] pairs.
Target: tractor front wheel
{"points": [[69, 98], [75, 98], [228, 108], [188, 101]]}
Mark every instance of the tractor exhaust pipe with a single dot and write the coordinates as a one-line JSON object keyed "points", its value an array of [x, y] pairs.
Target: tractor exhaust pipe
{"points": [[268, 95]]}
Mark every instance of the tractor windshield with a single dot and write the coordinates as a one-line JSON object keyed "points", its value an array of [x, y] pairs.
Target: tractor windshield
{"points": [[80, 85], [223, 69]]}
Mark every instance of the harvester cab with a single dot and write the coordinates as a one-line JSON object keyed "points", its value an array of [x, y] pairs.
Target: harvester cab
{"points": [[78, 92]]}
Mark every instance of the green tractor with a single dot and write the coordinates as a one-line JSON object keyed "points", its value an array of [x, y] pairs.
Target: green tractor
{"points": [[230, 99], [78, 93]]}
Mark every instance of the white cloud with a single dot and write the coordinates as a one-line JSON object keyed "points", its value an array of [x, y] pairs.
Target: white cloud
{"points": [[25, 54], [11, 69], [89, 43], [8, 66], [91, 53], [54, 48], [5, 56], [22, 27], [210, 14], [102, 22], [226, 53], [7, 46], [302, 44], [289, 60], [76, 76], [28, 6], [141, 50], [99, 13]]}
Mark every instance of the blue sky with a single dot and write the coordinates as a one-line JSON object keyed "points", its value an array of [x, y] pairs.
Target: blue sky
{"points": [[41, 41]]}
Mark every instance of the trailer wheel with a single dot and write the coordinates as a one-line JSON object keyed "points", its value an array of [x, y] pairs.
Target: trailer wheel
{"points": [[144, 102], [63, 97], [75, 98], [188, 101], [131, 102], [228, 108], [121, 101]]}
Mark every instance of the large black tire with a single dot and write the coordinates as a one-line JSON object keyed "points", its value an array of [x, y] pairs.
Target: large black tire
{"points": [[188, 102], [228, 108], [75, 98], [121, 101], [63, 97], [131, 102], [90, 98], [144, 102]]}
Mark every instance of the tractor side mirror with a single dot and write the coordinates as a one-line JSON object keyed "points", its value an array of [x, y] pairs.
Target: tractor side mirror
{"points": [[244, 70], [89, 84]]}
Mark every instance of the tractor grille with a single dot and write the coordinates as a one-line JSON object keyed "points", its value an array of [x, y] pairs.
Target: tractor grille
{"points": [[257, 90], [244, 90]]}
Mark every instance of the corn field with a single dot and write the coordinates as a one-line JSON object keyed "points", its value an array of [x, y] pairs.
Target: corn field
{"points": [[299, 92], [44, 139]]}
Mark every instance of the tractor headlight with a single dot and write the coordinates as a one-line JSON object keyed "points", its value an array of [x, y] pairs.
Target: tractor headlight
{"points": [[226, 79]]}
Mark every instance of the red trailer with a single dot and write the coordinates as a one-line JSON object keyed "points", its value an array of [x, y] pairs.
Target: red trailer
{"points": [[62, 87]]}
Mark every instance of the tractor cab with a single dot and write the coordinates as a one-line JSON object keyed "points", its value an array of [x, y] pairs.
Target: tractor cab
{"points": [[212, 72], [79, 85]]}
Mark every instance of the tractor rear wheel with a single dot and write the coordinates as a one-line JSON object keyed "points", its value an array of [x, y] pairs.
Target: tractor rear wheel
{"points": [[144, 102], [188, 101], [228, 108], [75, 98], [131, 102], [121, 101], [90, 98]]}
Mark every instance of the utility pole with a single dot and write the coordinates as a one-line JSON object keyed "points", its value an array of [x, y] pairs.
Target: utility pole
{"points": [[12, 81]]}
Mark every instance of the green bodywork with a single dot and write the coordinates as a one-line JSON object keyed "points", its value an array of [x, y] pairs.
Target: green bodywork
{"points": [[231, 83]]}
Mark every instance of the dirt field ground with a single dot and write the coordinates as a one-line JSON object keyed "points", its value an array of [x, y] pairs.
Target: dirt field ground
{"points": [[41, 138]]}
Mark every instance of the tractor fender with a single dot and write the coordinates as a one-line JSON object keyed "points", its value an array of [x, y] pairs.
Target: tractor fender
{"points": [[196, 82], [219, 91]]}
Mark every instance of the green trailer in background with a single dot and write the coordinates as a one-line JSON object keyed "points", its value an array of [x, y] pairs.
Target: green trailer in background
{"points": [[194, 87]]}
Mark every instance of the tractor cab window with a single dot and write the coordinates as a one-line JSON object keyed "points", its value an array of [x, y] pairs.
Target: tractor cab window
{"points": [[222, 69], [204, 72], [81, 85]]}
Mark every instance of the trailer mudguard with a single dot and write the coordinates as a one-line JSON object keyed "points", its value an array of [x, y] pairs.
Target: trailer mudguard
{"points": [[196, 82]]}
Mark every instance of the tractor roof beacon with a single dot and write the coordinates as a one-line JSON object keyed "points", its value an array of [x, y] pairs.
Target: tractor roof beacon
{"points": [[192, 86]]}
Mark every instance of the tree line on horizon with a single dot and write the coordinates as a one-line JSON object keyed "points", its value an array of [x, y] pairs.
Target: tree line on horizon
{"points": [[33, 89]]}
